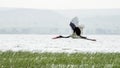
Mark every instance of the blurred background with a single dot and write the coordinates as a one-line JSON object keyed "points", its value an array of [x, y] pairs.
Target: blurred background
{"points": [[44, 21], [54, 16]]}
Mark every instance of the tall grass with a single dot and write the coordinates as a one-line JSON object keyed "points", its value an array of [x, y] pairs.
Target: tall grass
{"points": [[21, 59]]}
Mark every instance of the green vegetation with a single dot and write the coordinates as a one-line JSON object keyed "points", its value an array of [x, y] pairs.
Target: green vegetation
{"points": [[21, 59]]}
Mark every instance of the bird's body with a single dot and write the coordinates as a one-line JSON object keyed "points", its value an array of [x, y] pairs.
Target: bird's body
{"points": [[77, 30]]}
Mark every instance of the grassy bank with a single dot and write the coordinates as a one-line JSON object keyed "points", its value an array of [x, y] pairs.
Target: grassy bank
{"points": [[11, 59]]}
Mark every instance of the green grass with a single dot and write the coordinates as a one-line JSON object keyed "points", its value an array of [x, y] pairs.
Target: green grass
{"points": [[21, 59]]}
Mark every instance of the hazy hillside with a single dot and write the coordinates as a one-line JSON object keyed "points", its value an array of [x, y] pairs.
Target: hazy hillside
{"points": [[97, 21], [31, 21], [39, 21]]}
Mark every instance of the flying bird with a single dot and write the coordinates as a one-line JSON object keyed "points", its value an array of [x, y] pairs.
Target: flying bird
{"points": [[77, 30]]}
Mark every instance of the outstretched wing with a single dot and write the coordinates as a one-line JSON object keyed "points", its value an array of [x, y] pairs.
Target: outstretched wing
{"points": [[74, 23], [72, 26]]}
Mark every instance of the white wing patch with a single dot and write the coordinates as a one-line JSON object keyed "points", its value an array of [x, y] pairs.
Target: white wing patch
{"points": [[75, 21]]}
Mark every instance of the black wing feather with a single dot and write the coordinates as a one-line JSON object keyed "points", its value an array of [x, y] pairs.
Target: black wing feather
{"points": [[72, 25]]}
